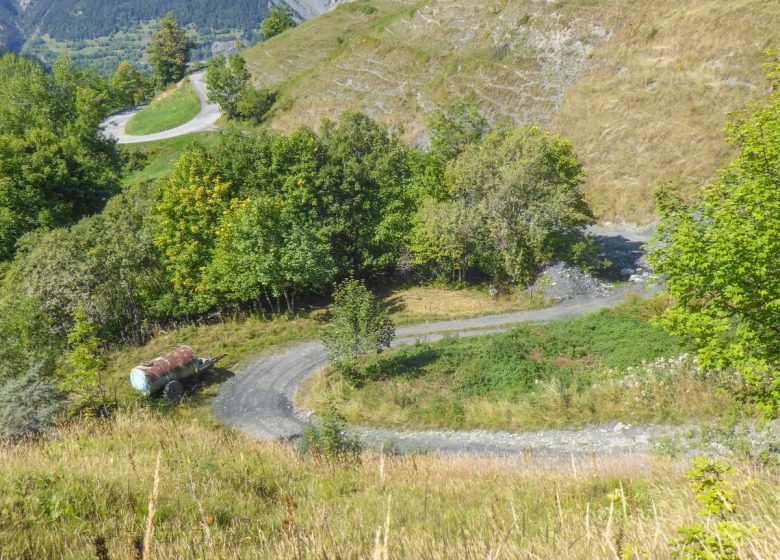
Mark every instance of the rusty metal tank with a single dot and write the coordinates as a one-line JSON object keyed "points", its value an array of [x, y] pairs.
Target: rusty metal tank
{"points": [[151, 377]]}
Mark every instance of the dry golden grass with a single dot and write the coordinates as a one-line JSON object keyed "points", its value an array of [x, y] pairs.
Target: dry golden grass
{"points": [[653, 103], [224, 496], [643, 88], [417, 305]]}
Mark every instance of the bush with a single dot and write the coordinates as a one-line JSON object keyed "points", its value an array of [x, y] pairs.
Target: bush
{"points": [[714, 541], [358, 324], [330, 439], [253, 104], [28, 404], [279, 19]]}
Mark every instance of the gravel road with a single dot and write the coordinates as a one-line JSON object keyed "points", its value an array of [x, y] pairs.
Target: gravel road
{"points": [[114, 126], [259, 401]]}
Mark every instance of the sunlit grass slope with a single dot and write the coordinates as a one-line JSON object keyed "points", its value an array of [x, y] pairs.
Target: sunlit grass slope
{"points": [[643, 88], [174, 107], [223, 496]]}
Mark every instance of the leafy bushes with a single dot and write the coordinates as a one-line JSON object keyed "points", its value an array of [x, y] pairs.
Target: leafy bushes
{"points": [[329, 439], [29, 403], [721, 256], [54, 166]]}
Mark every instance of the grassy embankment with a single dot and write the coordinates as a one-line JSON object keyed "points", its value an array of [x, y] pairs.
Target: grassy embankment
{"points": [[224, 496], [175, 106], [608, 366], [655, 79], [244, 339]]}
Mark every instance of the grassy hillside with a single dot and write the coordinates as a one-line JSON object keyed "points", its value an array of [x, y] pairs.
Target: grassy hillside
{"points": [[604, 367], [643, 88], [223, 496], [176, 106]]}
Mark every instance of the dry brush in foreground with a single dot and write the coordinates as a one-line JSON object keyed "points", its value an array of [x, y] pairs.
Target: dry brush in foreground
{"points": [[86, 492]]}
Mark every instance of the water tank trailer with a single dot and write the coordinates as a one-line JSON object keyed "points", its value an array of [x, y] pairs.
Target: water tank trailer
{"points": [[165, 373]]}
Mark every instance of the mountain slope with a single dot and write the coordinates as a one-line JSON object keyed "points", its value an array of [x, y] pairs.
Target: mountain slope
{"points": [[101, 33], [642, 88], [10, 36]]}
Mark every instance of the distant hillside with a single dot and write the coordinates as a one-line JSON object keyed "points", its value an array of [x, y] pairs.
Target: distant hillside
{"points": [[10, 35], [101, 33], [643, 88]]}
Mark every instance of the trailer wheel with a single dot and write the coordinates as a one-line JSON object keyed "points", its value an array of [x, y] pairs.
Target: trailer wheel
{"points": [[173, 391]]}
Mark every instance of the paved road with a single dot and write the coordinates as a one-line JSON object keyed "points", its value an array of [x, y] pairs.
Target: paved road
{"points": [[259, 401], [114, 126]]}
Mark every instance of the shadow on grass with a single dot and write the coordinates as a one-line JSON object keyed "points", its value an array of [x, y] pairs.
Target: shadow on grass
{"points": [[407, 363]]}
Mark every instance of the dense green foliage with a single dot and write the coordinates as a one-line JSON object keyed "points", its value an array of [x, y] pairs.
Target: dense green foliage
{"points": [[513, 201], [721, 256], [226, 80], [84, 381], [169, 52], [54, 166], [357, 324], [101, 35], [105, 263], [511, 364], [253, 104], [129, 86], [455, 127], [279, 19]]}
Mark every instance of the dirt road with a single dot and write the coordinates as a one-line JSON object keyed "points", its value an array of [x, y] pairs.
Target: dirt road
{"points": [[260, 400], [114, 126]]}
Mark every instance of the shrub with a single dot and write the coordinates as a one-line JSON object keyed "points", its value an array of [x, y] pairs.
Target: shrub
{"points": [[718, 541], [28, 404], [329, 439], [358, 324], [253, 104]]}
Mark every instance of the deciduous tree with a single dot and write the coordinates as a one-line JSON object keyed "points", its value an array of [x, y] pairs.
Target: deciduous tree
{"points": [[358, 324], [169, 52], [129, 86], [187, 218], [279, 19], [455, 126], [721, 255], [226, 79], [55, 167]]}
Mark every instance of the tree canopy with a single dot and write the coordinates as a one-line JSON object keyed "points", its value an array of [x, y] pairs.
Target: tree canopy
{"points": [[358, 325], [169, 52], [512, 201], [279, 19], [721, 255], [54, 165], [226, 80]]}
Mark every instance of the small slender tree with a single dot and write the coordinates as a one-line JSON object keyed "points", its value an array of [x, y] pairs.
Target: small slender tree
{"points": [[358, 324], [169, 52], [84, 381], [226, 79]]}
